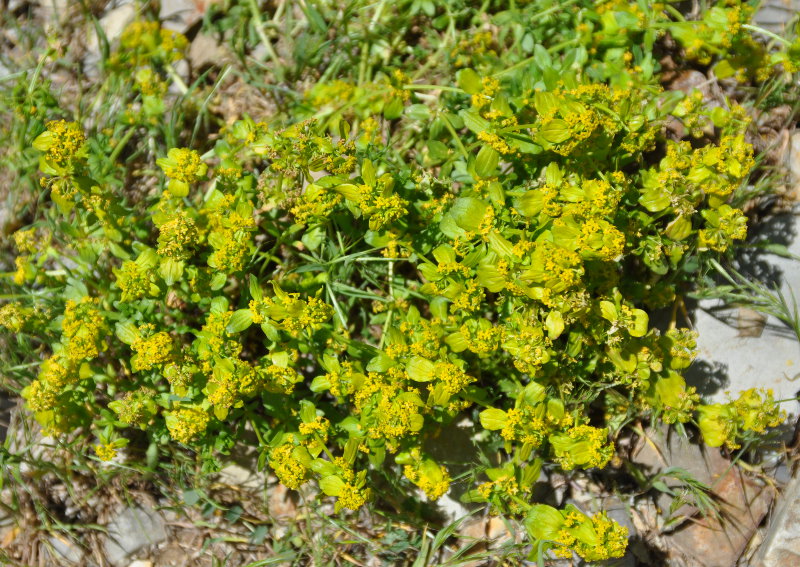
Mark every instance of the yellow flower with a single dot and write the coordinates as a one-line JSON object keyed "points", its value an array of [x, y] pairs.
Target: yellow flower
{"points": [[288, 469], [151, 351], [176, 236], [352, 497], [185, 424], [82, 327], [105, 452]]}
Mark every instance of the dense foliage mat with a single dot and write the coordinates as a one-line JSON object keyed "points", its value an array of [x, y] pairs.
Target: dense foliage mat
{"points": [[453, 212]]}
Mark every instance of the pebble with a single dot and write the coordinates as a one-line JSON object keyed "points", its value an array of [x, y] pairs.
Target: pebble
{"points": [[130, 531], [781, 546]]}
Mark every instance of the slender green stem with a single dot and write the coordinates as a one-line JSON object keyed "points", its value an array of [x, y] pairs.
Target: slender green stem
{"points": [[173, 74], [418, 87], [457, 139], [767, 33], [262, 35]]}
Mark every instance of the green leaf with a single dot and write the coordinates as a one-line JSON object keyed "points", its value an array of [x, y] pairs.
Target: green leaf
{"points": [[493, 419], [320, 384], [418, 112], [555, 132], [331, 485], [679, 228], [468, 212], [474, 121], [127, 332], [368, 173], [470, 81], [380, 363], [171, 270], [394, 109], [640, 323], [486, 162], [218, 281], [543, 522], [255, 290], [240, 320], [554, 324], [608, 311], [420, 369], [349, 191]]}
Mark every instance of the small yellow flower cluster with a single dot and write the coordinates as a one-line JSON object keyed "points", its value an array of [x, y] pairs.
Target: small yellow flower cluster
{"points": [[557, 268], [352, 497], [754, 410], [215, 342], [177, 236], [292, 313], [490, 87], [481, 43], [595, 539], [151, 352], [315, 203], [726, 224], [62, 142], [287, 468], [13, 317], [682, 347], [83, 327], [432, 478], [496, 142], [149, 83], [342, 380], [468, 298], [135, 408], [319, 427], [504, 488], [105, 452], [186, 423], [342, 160], [390, 411], [41, 396], [26, 241], [278, 379], [183, 166], [451, 377], [133, 280], [146, 43], [599, 238], [584, 446]]}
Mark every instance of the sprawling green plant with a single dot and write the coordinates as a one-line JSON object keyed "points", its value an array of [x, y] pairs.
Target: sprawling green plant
{"points": [[391, 255]]}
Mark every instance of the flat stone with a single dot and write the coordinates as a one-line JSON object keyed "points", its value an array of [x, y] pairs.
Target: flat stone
{"points": [[64, 549], [180, 15], [662, 449], [781, 546], [130, 531], [720, 541], [239, 476], [773, 15], [206, 50], [282, 502]]}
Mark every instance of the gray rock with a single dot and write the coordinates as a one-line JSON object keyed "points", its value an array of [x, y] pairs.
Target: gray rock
{"points": [[237, 475], [773, 15], [180, 15], [130, 531], [64, 550], [781, 545]]}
